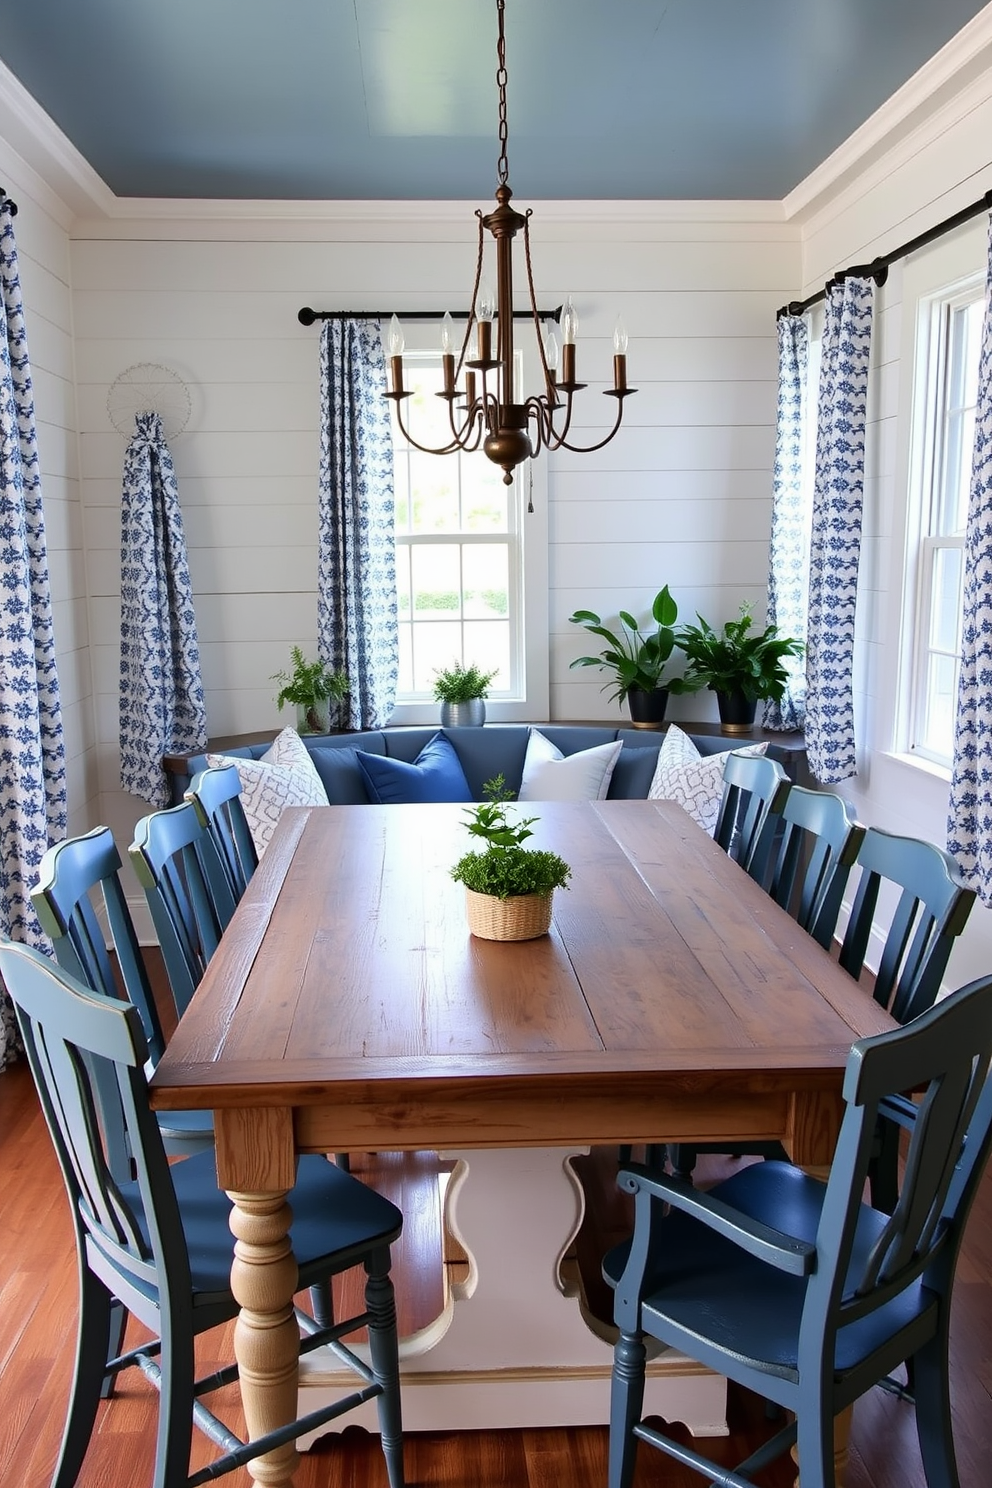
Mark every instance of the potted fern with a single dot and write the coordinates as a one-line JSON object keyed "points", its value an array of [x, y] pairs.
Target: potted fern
{"points": [[461, 691], [508, 887], [740, 665], [312, 687]]}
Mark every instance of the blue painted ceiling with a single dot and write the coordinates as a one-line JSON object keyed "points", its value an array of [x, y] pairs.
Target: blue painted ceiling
{"points": [[323, 99]]}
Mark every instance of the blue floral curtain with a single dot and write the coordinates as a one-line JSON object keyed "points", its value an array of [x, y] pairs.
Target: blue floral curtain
{"points": [[357, 625], [969, 822], [161, 693], [788, 558], [835, 545], [32, 752]]}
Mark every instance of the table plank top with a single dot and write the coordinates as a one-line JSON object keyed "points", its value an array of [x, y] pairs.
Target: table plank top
{"points": [[348, 973]]}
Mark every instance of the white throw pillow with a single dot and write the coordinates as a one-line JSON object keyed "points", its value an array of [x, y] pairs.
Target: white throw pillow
{"points": [[284, 776], [692, 779], [549, 775]]}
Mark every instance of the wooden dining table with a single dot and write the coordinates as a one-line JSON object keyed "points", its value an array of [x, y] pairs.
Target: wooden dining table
{"points": [[348, 1008]]}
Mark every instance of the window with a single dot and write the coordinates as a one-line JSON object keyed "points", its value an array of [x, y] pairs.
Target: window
{"points": [[951, 334], [461, 562]]}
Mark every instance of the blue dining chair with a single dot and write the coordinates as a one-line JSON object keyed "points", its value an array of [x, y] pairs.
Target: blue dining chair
{"points": [[808, 861], [189, 895], [799, 1290], [216, 797], [755, 790], [187, 889], [154, 1239], [928, 904], [75, 879]]}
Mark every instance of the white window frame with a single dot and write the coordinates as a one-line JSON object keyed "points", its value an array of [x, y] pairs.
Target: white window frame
{"points": [[934, 289], [527, 537]]}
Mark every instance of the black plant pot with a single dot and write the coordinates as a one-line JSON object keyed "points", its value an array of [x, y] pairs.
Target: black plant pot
{"points": [[736, 712], [647, 709]]}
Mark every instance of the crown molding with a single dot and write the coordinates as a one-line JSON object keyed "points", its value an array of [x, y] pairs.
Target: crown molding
{"points": [[947, 83], [48, 153]]}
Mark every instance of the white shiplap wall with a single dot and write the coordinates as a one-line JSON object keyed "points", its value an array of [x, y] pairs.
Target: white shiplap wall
{"points": [[41, 230], [682, 495]]}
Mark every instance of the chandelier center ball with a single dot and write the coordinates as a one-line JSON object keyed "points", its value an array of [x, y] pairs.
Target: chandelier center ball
{"points": [[507, 448]]}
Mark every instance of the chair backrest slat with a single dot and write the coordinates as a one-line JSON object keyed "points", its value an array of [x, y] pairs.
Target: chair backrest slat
{"points": [[931, 910], [216, 797], [810, 858], [755, 790], [73, 877], [191, 902]]}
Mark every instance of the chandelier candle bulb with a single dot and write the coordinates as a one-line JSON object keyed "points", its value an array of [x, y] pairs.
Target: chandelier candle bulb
{"points": [[620, 356]]}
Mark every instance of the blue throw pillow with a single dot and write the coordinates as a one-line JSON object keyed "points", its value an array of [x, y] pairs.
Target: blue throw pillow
{"points": [[435, 775]]}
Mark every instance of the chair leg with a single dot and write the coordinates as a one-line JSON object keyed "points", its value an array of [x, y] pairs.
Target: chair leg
{"points": [[682, 1160], [626, 1401], [175, 1406], [322, 1304], [384, 1354], [115, 1344], [933, 1413], [815, 1440], [96, 1306]]}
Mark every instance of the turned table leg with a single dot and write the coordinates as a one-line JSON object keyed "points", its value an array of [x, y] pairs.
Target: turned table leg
{"points": [[266, 1335]]}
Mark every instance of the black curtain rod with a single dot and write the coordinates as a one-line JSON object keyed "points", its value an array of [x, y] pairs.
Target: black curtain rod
{"points": [[307, 316], [878, 269], [11, 204]]}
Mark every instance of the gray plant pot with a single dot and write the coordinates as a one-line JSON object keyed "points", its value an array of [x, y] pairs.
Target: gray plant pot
{"points": [[463, 715]]}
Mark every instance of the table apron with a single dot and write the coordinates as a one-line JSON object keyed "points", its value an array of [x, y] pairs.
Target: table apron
{"points": [[806, 1122]]}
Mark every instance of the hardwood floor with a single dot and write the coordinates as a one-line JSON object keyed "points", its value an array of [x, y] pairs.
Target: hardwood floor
{"points": [[37, 1330]]}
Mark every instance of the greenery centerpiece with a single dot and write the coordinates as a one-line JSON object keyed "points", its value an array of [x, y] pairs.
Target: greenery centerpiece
{"points": [[636, 658], [461, 691], [508, 887], [741, 665], [311, 686]]}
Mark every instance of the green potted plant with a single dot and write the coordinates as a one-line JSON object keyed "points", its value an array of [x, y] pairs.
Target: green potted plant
{"points": [[461, 691], [311, 686], [508, 887], [740, 665], [636, 659]]}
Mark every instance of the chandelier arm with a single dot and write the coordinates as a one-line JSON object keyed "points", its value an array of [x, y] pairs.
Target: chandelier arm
{"points": [[533, 301], [425, 449], [553, 439], [587, 449], [470, 322]]}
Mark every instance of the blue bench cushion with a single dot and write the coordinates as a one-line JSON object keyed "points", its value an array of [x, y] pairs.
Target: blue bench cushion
{"points": [[435, 775]]}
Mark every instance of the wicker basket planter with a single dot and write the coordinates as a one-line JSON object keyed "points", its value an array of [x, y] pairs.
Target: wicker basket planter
{"points": [[521, 917]]}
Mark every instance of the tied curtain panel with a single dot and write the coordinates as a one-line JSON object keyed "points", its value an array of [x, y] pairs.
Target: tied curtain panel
{"points": [[357, 626], [789, 552], [32, 752], [969, 824], [835, 545], [162, 710]]}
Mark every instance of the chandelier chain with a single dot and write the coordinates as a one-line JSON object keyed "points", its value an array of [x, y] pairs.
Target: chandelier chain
{"points": [[502, 164]]}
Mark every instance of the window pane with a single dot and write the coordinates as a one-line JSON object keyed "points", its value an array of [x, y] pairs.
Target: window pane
{"points": [[485, 567], [938, 723], [945, 618], [488, 645], [436, 581], [483, 496], [434, 492], [434, 646]]}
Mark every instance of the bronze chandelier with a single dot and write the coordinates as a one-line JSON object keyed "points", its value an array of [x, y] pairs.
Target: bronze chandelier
{"points": [[488, 415]]}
